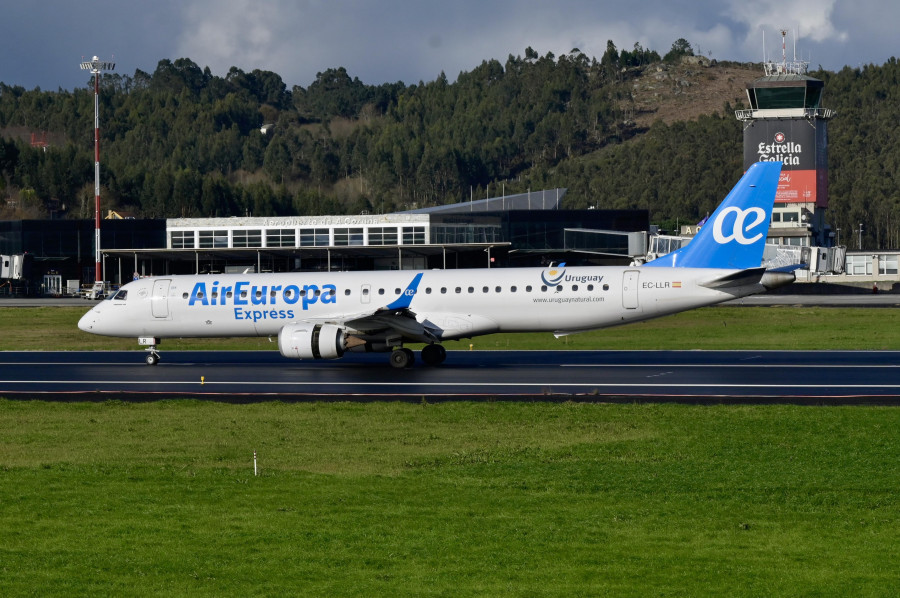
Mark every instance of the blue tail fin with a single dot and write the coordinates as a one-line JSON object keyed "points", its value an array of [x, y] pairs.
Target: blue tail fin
{"points": [[735, 235]]}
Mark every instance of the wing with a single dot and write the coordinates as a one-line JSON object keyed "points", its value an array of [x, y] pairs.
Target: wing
{"points": [[395, 316]]}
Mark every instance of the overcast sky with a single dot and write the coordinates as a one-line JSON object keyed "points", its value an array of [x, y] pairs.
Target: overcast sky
{"points": [[43, 42]]}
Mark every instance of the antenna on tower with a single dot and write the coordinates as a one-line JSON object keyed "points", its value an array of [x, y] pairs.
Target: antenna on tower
{"points": [[785, 67]]}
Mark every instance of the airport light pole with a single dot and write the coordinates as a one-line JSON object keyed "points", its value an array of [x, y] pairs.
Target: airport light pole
{"points": [[96, 66]]}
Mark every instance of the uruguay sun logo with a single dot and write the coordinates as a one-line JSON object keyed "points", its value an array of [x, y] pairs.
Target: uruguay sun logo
{"points": [[779, 137], [553, 275]]}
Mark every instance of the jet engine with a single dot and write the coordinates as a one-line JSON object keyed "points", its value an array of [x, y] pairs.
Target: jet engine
{"points": [[312, 341]]}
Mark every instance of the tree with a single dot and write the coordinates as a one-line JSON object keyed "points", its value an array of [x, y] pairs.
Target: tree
{"points": [[680, 47]]}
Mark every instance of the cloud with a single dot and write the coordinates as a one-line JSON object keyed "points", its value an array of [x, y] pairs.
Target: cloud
{"points": [[412, 40], [805, 20]]}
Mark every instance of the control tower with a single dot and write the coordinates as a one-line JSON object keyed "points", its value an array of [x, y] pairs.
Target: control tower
{"points": [[786, 122]]}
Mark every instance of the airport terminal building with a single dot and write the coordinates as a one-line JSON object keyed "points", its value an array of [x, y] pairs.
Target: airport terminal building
{"points": [[518, 230]]}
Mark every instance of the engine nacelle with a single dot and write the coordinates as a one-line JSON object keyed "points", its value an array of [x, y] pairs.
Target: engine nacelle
{"points": [[311, 341]]}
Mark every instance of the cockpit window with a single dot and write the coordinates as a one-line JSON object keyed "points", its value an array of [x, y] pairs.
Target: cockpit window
{"points": [[120, 296]]}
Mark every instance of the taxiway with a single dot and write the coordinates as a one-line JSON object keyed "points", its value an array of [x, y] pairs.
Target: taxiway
{"points": [[831, 377]]}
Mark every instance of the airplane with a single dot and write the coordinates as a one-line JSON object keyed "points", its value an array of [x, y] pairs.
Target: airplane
{"points": [[323, 315]]}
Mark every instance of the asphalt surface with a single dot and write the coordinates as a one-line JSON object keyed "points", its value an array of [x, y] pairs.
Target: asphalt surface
{"points": [[818, 377]]}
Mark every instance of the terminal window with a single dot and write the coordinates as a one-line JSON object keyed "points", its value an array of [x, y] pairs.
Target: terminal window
{"points": [[348, 236], [315, 237], [213, 238], [413, 235], [383, 235], [247, 238], [888, 264], [281, 237], [181, 239]]}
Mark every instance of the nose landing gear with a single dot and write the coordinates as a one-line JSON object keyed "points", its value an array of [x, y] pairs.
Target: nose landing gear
{"points": [[152, 355]]}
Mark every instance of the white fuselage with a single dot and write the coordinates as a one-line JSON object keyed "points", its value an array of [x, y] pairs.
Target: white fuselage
{"points": [[453, 303]]}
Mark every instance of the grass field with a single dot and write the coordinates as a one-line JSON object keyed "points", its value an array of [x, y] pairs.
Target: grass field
{"points": [[457, 499], [453, 499], [800, 328]]}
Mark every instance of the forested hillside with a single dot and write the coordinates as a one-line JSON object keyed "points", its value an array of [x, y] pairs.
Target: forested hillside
{"points": [[183, 142]]}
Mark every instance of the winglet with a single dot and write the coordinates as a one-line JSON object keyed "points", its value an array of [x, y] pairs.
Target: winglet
{"points": [[734, 236], [406, 296]]}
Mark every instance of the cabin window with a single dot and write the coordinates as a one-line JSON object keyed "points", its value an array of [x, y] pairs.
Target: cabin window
{"points": [[590, 287], [512, 289], [347, 292], [471, 289], [184, 295], [381, 291], [574, 287], [396, 291], [543, 288], [459, 289], [427, 290], [606, 287], [443, 290], [528, 289], [558, 288], [484, 290]]}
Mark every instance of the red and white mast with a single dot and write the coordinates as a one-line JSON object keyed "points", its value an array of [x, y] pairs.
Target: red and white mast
{"points": [[96, 66]]}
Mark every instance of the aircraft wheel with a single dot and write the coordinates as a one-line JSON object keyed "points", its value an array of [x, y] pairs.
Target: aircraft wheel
{"points": [[402, 358], [434, 354], [152, 358]]}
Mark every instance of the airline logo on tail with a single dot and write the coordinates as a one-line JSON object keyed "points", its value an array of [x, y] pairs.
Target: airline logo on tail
{"points": [[739, 228]]}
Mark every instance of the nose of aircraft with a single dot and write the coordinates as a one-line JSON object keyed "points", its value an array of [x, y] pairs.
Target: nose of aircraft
{"points": [[87, 321]]}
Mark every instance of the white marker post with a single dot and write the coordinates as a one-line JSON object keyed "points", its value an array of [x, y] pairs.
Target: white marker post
{"points": [[254, 464]]}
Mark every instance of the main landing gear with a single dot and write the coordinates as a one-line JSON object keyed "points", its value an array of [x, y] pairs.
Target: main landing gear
{"points": [[432, 355]]}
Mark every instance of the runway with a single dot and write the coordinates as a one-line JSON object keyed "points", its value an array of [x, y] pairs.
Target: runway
{"points": [[828, 377]]}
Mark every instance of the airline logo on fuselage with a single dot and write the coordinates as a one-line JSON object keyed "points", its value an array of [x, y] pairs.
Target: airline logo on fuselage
{"points": [[245, 294], [554, 276]]}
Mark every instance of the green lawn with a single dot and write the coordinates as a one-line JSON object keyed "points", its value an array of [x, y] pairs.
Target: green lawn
{"points": [[457, 499], [807, 328], [453, 499]]}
